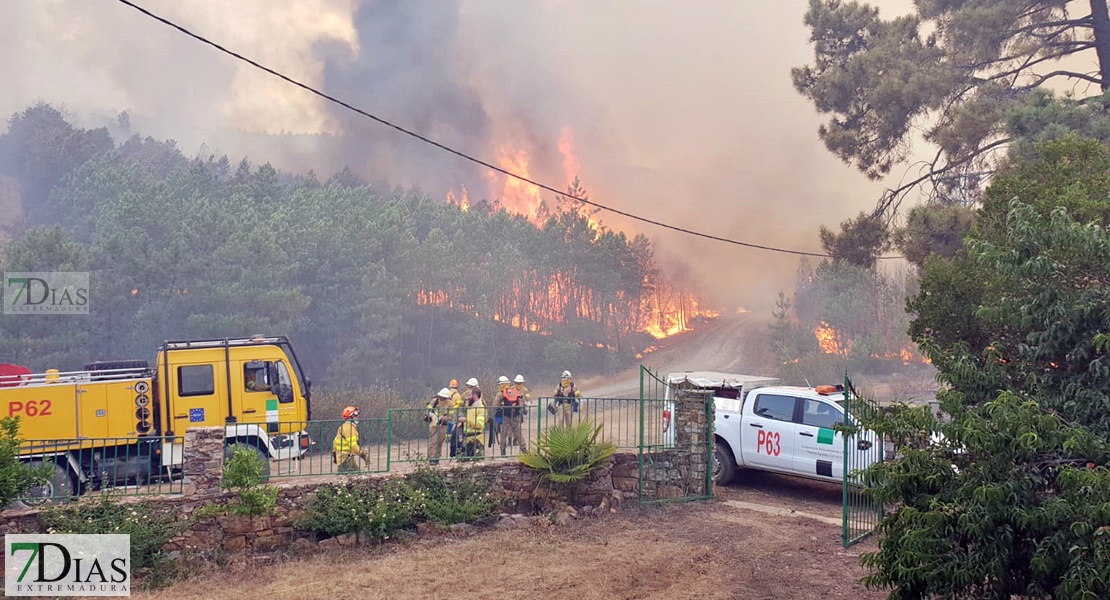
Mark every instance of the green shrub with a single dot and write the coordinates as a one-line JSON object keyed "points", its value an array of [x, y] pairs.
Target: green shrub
{"points": [[568, 455], [361, 510], [244, 474], [149, 531], [463, 499], [15, 476], [425, 495]]}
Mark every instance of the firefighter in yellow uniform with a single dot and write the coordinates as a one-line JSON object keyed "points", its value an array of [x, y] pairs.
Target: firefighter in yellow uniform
{"points": [[456, 403], [345, 451], [566, 399], [440, 413], [472, 421]]}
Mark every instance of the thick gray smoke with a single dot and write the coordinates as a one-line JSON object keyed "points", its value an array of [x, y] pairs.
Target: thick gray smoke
{"points": [[681, 112]]}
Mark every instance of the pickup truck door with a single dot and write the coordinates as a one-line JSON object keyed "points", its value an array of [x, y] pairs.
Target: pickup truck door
{"points": [[818, 449], [768, 432]]}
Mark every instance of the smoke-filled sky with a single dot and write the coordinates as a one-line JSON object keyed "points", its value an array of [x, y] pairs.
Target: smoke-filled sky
{"points": [[680, 112]]}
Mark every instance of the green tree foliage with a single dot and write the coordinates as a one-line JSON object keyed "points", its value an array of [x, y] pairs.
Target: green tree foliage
{"points": [[377, 287], [933, 229], [860, 241], [1024, 304], [954, 70], [15, 476], [1011, 499]]}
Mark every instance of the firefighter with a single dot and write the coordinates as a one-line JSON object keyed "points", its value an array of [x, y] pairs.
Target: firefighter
{"points": [[566, 399], [345, 451], [252, 383], [497, 414], [472, 421], [511, 404], [440, 413], [456, 403]]}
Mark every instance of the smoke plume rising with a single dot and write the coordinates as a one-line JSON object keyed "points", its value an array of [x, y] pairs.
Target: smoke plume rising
{"points": [[682, 113]]}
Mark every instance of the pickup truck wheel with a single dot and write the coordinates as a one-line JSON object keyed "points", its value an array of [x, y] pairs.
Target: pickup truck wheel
{"points": [[724, 466], [59, 489], [229, 451]]}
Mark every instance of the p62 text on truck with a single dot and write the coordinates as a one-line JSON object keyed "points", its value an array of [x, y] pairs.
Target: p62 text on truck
{"points": [[761, 425], [122, 423]]}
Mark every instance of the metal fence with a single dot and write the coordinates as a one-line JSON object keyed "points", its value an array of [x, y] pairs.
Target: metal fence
{"points": [[673, 469], [862, 448], [319, 460], [118, 466]]}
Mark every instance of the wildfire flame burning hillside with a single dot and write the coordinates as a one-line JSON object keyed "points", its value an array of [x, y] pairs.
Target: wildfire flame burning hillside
{"points": [[832, 342], [534, 301]]}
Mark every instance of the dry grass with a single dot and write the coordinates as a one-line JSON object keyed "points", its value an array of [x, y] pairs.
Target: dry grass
{"points": [[705, 550]]}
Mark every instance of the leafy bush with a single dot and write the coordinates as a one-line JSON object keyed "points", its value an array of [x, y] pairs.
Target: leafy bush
{"points": [[15, 476], [149, 531], [567, 455], [426, 495], [361, 510], [463, 499], [244, 473]]}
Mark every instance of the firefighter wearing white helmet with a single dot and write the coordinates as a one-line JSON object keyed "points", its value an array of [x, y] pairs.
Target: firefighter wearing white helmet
{"points": [[566, 399], [510, 407], [440, 412], [493, 424], [472, 420]]}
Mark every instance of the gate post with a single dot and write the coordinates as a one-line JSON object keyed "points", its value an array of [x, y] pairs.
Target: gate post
{"points": [[692, 436]]}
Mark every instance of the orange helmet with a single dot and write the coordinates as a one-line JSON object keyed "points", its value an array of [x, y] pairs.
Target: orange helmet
{"points": [[454, 383], [350, 412]]}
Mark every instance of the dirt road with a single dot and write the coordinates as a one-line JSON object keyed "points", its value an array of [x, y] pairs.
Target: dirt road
{"points": [[731, 344]]}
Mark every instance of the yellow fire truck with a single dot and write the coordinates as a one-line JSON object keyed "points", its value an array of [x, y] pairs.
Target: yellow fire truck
{"points": [[123, 423]]}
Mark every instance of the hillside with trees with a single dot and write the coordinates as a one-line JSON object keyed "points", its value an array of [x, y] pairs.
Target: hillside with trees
{"points": [[376, 286]]}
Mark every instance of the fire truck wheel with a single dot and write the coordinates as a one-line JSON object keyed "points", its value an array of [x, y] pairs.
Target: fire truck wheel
{"points": [[59, 489], [229, 450]]}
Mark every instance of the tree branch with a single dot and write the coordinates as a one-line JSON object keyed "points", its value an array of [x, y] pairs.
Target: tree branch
{"points": [[1069, 74], [1066, 24], [893, 197]]}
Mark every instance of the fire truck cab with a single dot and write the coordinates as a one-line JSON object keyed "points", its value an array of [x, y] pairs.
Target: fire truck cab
{"points": [[123, 423]]}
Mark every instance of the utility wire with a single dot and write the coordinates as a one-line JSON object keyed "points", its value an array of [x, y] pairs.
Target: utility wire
{"points": [[458, 153]]}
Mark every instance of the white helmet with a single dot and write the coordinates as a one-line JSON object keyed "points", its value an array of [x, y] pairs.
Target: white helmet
{"points": [[444, 393], [472, 382], [566, 375], [519, 379], [502, 380]]}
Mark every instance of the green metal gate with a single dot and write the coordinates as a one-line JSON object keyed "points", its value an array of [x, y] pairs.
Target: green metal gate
{"points": [[676, 463], [862, 448]]}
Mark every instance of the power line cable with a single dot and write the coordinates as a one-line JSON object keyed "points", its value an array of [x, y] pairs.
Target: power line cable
{"points": [[458, 153]]}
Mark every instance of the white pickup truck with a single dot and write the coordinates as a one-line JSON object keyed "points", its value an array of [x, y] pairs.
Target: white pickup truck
{"points": [[759, 424]]}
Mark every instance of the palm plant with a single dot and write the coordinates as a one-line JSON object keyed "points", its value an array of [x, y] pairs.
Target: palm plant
{"points": [[568, 455]]}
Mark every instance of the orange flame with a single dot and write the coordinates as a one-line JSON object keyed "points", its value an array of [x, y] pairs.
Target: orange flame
{"points": [[462, 200], [516, 196], [571, 165], [829, 340]]}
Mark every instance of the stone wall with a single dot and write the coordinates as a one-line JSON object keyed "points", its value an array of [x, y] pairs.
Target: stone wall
{"points": [[234, 537], [682, 472], [678, 472]]}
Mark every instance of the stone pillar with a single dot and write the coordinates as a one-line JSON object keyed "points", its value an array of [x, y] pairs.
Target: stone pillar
{"points": [[694, 410], [203, 460]]}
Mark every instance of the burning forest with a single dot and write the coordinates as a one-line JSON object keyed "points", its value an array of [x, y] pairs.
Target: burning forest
{"points": [[398, 288]]}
